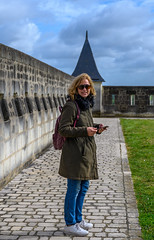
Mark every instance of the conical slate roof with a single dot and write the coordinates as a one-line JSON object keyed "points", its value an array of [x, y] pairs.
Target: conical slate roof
{"points": [[86, 63]]}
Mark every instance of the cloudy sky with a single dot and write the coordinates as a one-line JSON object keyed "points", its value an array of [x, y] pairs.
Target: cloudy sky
{"points": [[120, 32]]}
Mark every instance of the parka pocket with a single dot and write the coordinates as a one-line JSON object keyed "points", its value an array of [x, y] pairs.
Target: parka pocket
{"points": [[89, 148], [81, 143]]}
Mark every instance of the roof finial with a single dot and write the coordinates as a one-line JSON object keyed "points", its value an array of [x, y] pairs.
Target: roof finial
{"points": [[86, 35]]}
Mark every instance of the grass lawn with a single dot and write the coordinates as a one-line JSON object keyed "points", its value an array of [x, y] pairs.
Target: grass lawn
{"points": [[139, 138]]}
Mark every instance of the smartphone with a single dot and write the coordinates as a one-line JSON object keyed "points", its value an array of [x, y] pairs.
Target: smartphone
{"points": [[105, 127]]}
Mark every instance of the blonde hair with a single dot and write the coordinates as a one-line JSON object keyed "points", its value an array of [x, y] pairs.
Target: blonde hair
{"points": [[72, 90]]}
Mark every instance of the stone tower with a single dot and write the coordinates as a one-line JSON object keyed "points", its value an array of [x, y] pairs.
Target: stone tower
{"points": [[86, 64]]}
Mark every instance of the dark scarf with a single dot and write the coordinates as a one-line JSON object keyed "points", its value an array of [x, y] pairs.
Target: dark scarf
{"points": [[84, 103]]}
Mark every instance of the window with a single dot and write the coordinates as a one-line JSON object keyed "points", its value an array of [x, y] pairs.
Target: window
{"points": [[29, 104], [132, 100], [19, 106], [113, 99], [5, 110], [151, 98], [37, 101], [55, 101], [50, 102], [44, 103]]}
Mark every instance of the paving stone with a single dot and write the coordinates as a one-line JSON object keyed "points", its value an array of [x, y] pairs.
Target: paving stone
{"points": [[8, 220], [15, 228], [136, 238], [7, 237], [60, 238], [31, 205], [28, 237], [101, 234], [134, 233], [117, 235], [134, 226], [108, 238], [32, 233], [45, 233], [3, 223], [44, 238], [93, 238], [5, 232], [80, 238], [20, 233], [5, 228]]}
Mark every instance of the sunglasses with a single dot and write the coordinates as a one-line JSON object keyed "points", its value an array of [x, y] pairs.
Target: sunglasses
{"points": [[81, 87]]}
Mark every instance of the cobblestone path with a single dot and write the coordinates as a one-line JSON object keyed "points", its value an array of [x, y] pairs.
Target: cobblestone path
{"points": [[31, 205]]}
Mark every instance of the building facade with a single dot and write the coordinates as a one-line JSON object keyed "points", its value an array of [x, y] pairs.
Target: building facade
{"points": [[128, 101], [115, 100], [30, 95]]}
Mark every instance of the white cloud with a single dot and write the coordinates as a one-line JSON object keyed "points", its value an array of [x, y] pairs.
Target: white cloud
{"points": [[27, 34], [17, 30], [64, 11], [11, 11], [148, 4], [121, 34]]}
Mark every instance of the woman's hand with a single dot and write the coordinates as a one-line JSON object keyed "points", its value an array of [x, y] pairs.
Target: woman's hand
{"points": [[101, 128], [91, 131]]}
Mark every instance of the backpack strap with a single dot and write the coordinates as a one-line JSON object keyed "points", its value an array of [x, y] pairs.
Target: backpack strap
{"points": [[60, 108], [78, 113]]}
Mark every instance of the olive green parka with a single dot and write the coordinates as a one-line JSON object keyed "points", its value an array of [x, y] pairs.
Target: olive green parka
{"points": [[78, 158]]}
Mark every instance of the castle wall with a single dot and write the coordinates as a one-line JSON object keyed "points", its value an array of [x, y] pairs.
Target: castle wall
{"points": [[97, 110], [128, 101], [30, 93]]}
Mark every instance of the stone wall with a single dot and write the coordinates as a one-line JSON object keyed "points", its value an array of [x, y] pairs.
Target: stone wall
{"points": [[30, 93], [97, 110], [128, 101]]}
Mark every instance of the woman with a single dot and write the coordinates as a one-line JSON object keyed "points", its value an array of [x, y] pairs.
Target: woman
{"points": [[78, 159]]}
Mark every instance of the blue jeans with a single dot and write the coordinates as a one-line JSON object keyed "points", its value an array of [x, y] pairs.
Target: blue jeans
{"points": [[76, 191]]}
